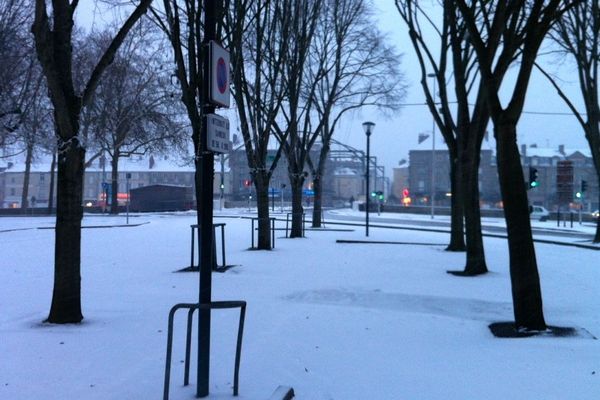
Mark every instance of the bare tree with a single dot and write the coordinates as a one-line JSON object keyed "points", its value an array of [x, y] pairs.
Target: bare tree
{"points": [[17, 65], [294, 129], [35, 129], [53, 41], [502, 33], [577, 34], [463, 129], [258, 52], [354, 67], [134, 110]]}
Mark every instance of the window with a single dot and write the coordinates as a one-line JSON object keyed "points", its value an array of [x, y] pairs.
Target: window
{"points": [[42, 177], [12, 191]]}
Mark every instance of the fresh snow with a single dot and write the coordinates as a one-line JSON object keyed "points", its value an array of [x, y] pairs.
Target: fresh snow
{"points": [[333, 321]]}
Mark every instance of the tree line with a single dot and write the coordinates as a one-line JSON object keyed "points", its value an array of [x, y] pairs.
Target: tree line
{"points": [[297, 67]]}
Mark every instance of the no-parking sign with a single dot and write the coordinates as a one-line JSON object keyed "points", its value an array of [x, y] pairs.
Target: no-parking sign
{"points": [[219, 75]]}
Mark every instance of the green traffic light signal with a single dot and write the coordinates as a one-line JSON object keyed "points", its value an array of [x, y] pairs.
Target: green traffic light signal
{"points": [[578, 195], [373, 194], [533, 177]]}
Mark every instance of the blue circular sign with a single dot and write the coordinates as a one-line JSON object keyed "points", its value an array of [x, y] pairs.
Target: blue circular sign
{"points": [[221, 75]]}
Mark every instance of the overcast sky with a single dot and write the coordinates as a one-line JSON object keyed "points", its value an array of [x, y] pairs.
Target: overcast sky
{"points": [[396, 135]]}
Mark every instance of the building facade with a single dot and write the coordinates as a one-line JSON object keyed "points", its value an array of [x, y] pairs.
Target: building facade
{"points": [[544, 160]]}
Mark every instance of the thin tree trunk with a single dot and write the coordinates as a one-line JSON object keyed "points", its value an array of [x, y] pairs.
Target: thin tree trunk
{"points": [[25, 192], [318, 204], [261, 183], [592, 134], [114, 174], [525, 281], [51, 190], [457, 233], [597, 235], [297, 209], [66, 296]]}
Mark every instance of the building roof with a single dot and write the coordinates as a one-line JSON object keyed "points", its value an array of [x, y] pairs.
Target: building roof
{"points": [[130, 164]]}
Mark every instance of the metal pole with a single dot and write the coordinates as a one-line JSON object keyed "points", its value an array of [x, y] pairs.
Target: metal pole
{"points": [[205, 213], [367, 173], [222, 186], [127, 180], [433, 152]]}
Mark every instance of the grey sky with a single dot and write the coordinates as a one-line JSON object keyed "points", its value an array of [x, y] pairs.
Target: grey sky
{"points": [[395, 136]]}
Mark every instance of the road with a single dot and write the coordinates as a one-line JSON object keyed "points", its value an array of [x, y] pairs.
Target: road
{"points": [[489, 225]]}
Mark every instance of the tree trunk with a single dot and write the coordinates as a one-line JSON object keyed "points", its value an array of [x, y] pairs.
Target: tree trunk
{"points": [[25, 192], [592, 134], [261, 184], [525, 281], [66, 296], [318, 204], [51, 190], [476, 264], [457, 233], [597, 235], [296, 184], [114, 185]]}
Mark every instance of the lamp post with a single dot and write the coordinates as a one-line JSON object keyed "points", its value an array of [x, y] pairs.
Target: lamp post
{"points": [[432, 194], [368, 127]]}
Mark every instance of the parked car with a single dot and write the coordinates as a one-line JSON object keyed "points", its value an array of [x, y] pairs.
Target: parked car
{"points": [[595, 214], [538, 212]]}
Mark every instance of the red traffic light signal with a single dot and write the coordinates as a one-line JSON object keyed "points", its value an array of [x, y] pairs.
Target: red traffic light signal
{"points": [[247, 182]]}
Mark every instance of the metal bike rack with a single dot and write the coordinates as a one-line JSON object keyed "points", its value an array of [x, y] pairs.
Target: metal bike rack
{"points": [[191, 307], [272, 231], [287, 220], [214, 266]]}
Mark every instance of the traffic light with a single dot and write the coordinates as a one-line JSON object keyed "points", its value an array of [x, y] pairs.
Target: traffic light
{"points": [[373, 193], [222, 186], [533, 177], [247, 182], [578, 195], [380, 194], [583, 186]]}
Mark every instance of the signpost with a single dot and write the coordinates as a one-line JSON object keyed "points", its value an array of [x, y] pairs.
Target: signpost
{"points": [[219, 75], [218, 134]]}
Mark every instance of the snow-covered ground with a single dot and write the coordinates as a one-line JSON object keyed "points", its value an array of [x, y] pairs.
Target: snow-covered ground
{"points": [[334, 321]]}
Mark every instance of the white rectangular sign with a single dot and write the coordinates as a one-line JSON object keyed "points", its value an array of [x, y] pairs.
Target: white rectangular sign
{"points": [[217, 128], [219, 75]]}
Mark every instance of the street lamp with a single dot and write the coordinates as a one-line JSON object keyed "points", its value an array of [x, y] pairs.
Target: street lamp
{"points": [[368, 127], [432, 194]]}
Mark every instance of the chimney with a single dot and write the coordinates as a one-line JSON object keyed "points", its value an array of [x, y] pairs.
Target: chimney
{"points": [[151, 162], [524, 150], [561, 149]]}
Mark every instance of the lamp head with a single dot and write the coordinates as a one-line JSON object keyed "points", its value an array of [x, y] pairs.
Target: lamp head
{"points": [[368, 127]]}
